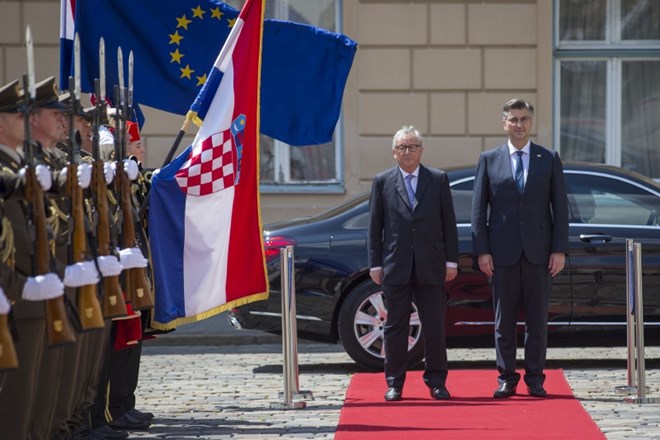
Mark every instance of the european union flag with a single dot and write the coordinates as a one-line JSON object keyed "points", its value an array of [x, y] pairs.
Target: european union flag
{"points": [[174, 42]]}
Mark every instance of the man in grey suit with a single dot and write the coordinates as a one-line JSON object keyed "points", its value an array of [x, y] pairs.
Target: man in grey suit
{"points": [[520, 233], [413, 250]]}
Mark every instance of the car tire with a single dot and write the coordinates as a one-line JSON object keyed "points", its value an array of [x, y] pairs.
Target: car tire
{"points": [[361, 320]]}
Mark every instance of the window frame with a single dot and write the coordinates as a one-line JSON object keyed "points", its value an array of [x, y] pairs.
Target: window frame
{"points": [[614, 52]]}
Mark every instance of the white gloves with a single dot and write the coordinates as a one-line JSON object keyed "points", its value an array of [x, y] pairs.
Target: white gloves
{"points": [[109, 172], [84, 174], [130, 168], [132, 258], [109, 265], [81, 274], [4, 303], [42, 173], [43, 287]]}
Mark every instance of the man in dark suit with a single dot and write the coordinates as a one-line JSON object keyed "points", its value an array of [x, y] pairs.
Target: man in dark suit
{"points": [[520, 233], [413, 250]]}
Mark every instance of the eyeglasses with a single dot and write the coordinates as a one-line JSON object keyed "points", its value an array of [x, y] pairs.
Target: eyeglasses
{"points": [[523, 120], [403, 148]]}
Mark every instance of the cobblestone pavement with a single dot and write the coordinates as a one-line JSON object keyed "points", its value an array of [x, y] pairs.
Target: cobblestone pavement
{"points": [[226, 392]]}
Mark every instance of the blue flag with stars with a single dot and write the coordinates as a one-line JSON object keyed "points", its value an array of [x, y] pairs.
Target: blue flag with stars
{"points": [[174, 43]]}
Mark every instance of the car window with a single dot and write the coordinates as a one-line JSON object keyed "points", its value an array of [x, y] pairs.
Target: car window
{"points": [[360, 221], [596, 199], [461, 192]]}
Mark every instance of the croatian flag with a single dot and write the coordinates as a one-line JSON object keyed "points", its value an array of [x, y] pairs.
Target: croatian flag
{"points": [[204, 222]]}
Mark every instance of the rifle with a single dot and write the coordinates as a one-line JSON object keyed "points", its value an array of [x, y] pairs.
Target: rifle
{"points": [[58, 327], [137, 288], [113, 299], [89, 309]]}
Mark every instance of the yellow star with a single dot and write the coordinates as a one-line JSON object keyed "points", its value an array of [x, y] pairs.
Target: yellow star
{"points": [[186, 72], [176, 56], [201, 80], [232, 22], [215, 13], [175, 38], [183, 22], [198, 12]]}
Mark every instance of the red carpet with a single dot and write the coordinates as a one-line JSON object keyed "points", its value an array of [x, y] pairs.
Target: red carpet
{"points": [[472, 413]]}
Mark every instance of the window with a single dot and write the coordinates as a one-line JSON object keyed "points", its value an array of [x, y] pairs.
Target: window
{"points": [[603, 200], [461, 193], [607, 65], [306, 168]]}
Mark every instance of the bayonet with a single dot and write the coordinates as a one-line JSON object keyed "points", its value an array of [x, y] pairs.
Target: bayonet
{"points": [[30, 62], [130, 81], [120, 65], [76, 67], [101, 95]]}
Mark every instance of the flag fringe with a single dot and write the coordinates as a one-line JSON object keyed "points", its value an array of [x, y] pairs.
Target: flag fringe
{"points": [[171, 325]]}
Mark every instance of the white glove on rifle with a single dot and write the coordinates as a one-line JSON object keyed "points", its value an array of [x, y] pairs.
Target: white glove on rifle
{"points": [[83, 173], [81, 274], [131, 169], [109, 172], [43, 287], [132, 258], [4, 303], [43, 175], [109, 265]]}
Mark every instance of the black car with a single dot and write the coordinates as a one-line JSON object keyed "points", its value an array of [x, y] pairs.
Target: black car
{"points": [[337, 301]]}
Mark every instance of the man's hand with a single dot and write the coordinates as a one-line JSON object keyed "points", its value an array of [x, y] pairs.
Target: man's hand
{"points": [[556, 263], [486, 264], [377, 276], [450, 274]]}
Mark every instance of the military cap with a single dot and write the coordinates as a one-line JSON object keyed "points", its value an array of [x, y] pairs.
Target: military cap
{"points": [[10, 98], [47, 96]]}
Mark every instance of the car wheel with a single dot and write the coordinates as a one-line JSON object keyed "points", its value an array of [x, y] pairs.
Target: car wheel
{"points": [[361, 322]]}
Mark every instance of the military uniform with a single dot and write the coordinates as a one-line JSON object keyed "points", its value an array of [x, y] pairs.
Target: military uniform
{"points": [[21, 391]]}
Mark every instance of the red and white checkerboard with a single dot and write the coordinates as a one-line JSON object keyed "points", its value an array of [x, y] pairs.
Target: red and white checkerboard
{"points": [[211, 166]]}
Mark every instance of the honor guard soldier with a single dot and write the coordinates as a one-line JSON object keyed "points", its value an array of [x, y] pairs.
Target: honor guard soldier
{"points": [[21, 397]]}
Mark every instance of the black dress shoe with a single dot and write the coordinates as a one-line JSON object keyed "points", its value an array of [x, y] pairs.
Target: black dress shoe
{"points": [[141, 415], [129, 423], [506, 389], [536, 390], [393, 394], [440, 393]]}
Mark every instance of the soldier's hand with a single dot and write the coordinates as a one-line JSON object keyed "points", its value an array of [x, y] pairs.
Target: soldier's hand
{"points": [[108, 172], [44, 176], [131, 169], [43, 287], [4, 303], [376, 276], [81, 274], [109, 265], [84, 175], [132, 258]]}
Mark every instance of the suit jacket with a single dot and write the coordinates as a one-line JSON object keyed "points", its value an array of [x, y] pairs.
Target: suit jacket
{"points": [[506, 223], [399, 234]]}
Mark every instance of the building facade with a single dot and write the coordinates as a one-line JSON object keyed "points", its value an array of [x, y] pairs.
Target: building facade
{"points": [[591, 68]]}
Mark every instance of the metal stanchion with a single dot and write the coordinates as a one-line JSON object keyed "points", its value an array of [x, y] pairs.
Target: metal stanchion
{"points": [[289, 335], [631, 387], [639, 333]]}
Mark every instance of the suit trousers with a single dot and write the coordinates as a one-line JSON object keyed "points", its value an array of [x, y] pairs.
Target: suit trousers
{"points": [[523, 286], [431, 305]]}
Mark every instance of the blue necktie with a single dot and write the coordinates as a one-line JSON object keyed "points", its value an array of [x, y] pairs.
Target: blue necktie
{"points": [[520, 172], [409, 189]]}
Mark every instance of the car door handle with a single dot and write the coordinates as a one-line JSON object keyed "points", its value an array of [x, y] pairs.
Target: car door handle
{"points": [[597, 238]]}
